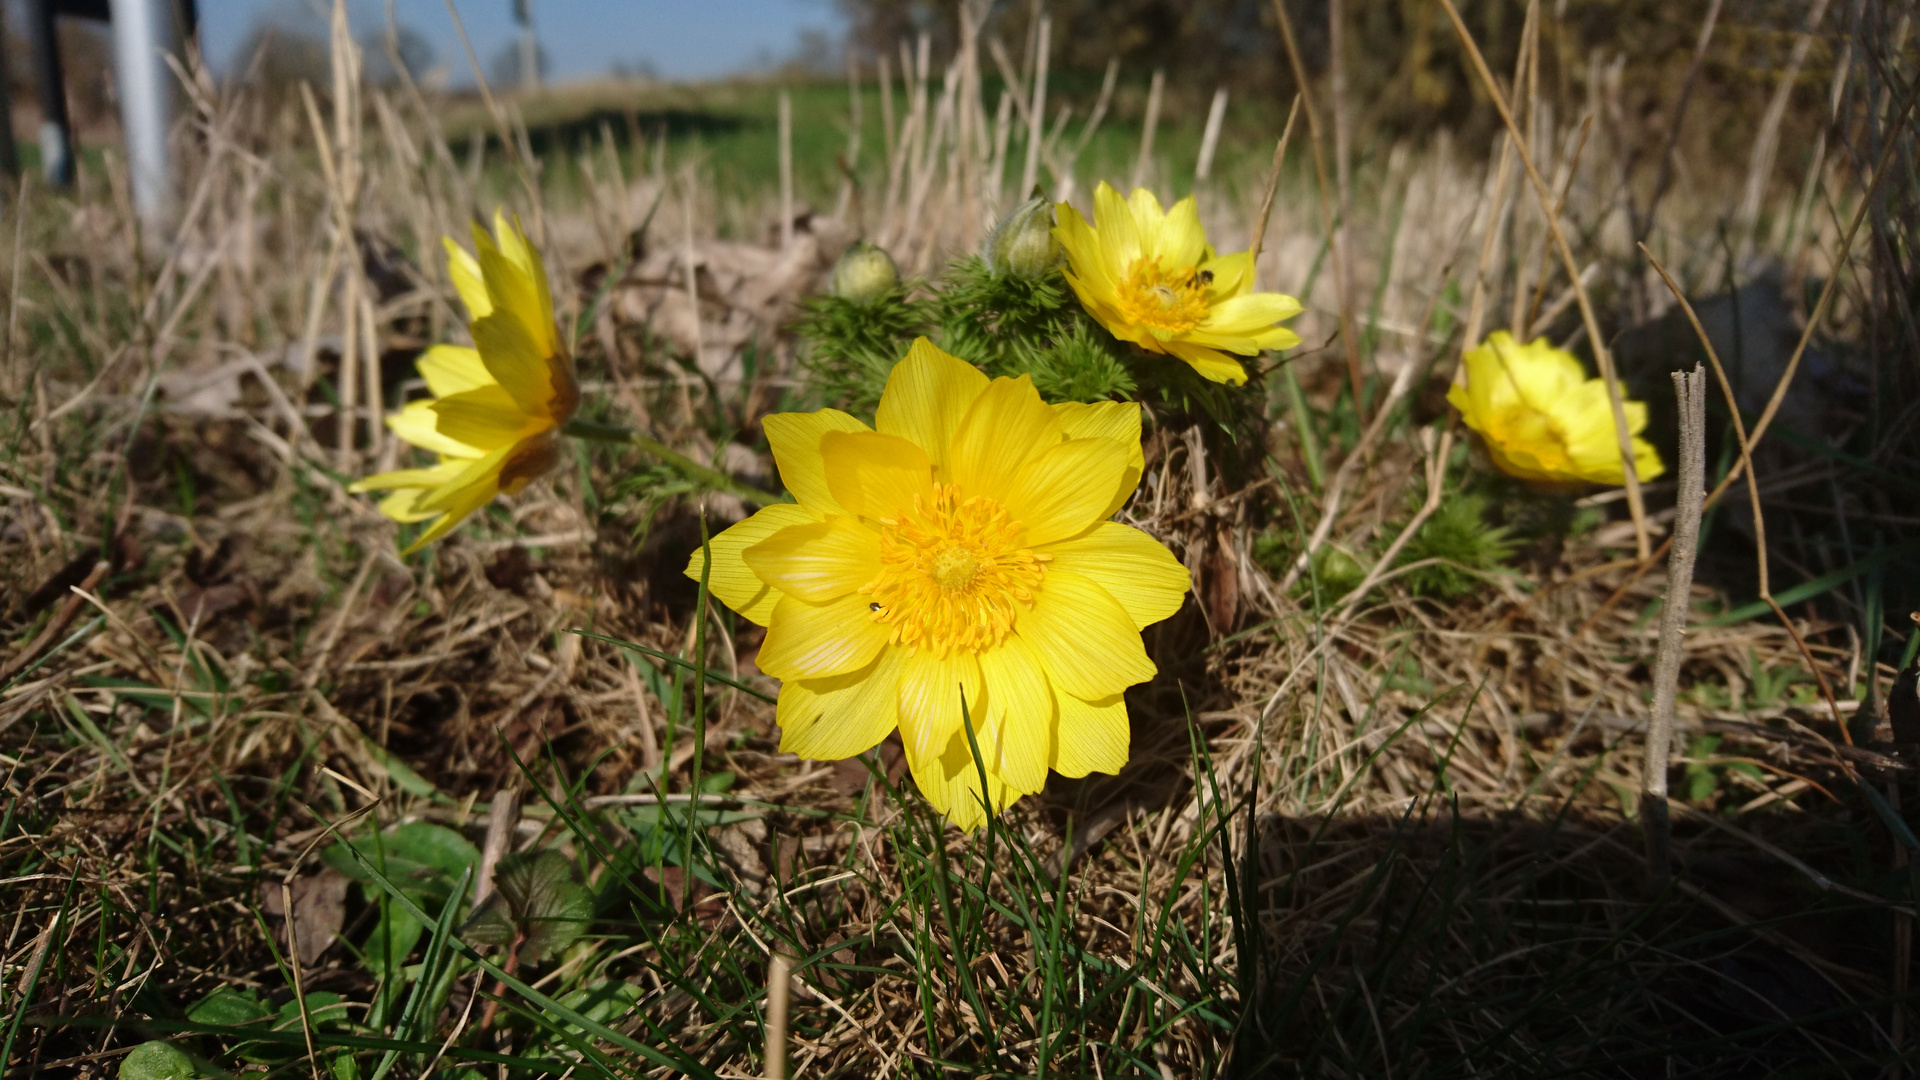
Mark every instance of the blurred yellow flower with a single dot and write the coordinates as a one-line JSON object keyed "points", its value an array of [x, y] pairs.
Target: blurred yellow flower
{"points": [[958, 549], [497, 408], [1149, 276], [1542, 419]]}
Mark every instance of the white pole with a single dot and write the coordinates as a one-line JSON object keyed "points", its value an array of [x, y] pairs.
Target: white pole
{"points": [[143, 33]]}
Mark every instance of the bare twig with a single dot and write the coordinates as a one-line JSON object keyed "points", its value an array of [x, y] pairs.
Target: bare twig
{"points": [[1691, 390], [1273, 185]]}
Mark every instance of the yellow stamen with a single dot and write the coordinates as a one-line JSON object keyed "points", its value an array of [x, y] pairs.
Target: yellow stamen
{"points": [[953, 574], [1166, 302]]}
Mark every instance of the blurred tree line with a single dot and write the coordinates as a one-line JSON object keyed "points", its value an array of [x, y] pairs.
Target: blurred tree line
{"points": [[1404, 67]]}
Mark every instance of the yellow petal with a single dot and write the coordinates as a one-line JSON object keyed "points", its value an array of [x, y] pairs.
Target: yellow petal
{"points": [[926, 396], [458, 501], [1090, 271], [1118, 232], [1084, 638], [1182, 242], [1249, 314], [512, 241], [795, 439], [813, 641], [419, 424], [402, 506], [517, 297], [817, 561], [873, 475], [451, 369], [951, 783], [1007, 424], [410, 478], [478, 474], [1232, 274], [1117, 420], [1065, 489], [731, 580], [1134, 568], [1210, 363], [829, 719], [487, 418], [516, 361], [464, 269], [931, 689], [1016, 739], [1090, 736]]}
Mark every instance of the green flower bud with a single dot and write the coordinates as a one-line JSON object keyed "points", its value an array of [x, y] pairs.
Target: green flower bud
{"points": [[864, 274], [1022, 243]]}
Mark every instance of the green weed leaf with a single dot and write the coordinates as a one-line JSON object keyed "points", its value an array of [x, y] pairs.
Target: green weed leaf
{"points": [[157, 1061]]}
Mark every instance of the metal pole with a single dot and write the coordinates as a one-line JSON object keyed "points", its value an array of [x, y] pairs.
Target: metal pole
{"points": [[144, 32], [56, 134], [529, 45], [9, 157]]}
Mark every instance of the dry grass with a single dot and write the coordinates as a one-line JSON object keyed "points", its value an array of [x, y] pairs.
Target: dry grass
{"points": [[1365, 832]]}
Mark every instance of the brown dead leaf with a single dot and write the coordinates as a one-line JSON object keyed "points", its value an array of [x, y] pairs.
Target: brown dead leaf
{"points": [[319, 909]]}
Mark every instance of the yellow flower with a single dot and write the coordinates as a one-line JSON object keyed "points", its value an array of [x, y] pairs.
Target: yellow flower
{"points": [[959, 549], [1150, 277], [1542, 419], [497, 408]]}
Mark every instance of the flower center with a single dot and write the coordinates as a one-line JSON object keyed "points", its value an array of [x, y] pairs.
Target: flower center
{"points": [[1167, 302], [953, 574]]}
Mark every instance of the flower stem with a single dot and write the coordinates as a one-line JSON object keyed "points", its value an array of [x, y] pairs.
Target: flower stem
{"points": [[711, 477]]}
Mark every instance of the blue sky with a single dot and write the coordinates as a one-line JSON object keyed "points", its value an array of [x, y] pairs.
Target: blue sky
{"points": [[583, 38]]}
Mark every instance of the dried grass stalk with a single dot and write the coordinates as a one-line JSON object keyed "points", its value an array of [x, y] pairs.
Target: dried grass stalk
{"points": [[1690, 387]]}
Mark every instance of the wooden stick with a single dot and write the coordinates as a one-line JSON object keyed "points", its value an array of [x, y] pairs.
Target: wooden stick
{"points": [[1216, 115], [1037, 113], [1152, 121], [786, 169], [1273, 185], [1691, 389]]}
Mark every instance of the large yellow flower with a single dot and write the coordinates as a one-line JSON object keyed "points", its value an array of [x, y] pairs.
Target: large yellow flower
{"points": [[958, 549], [1150, 277], [497, 408], [1542, 419]]}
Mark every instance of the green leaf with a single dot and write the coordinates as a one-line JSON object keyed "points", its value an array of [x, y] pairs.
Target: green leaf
{"points": [[391, 942], [603, 1002], [157, 1061], [535, 901], [227, 1007], [419, 856]]}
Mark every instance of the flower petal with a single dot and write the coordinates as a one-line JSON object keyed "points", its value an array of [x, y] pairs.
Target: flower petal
{"points": [[925, 399], [458, 505], [419, 424], [950, 781], [1065, 489], [812, 641], [1114, 224], [1249, 314], [1182, 242], [410, 479], [1133, 568], [795, 439], [475, 473], [1117, 420], [817, 561], [1016, 739], [1085, 640], [1210, 363], [488, 418], [731, 579], [873, 475], [829, 719], [464, 269], [516, 361], [1090, 736], [931, 689], [451, 369], [1007, 424]]}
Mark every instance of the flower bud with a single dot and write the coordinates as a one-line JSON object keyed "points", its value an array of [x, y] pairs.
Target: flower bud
{"points": [[1022, 243], [864, 274]]}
